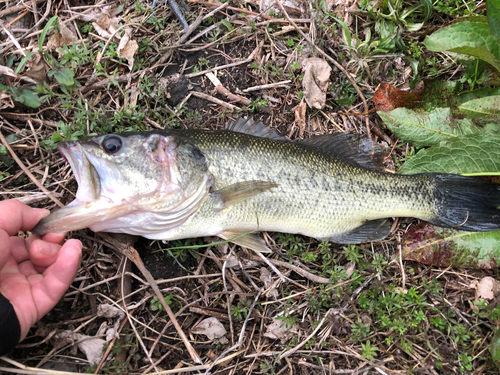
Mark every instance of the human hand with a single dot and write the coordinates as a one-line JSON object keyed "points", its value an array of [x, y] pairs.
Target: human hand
{"points": [[35, 272]]}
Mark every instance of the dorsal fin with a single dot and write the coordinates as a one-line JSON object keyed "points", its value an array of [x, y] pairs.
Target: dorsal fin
{"points": [[351, 147], [251, 127]]}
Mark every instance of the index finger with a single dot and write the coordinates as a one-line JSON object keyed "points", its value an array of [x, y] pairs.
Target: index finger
{"points": [[16, 216]]}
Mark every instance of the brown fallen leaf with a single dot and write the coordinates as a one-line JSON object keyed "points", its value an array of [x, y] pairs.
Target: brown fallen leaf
{"points": [[63, 38], [315, 81], [127, 48], [279, 330], [267, 279], [210, 327], [300, 117], [387, 98], [6, 100], [486, 288], [36, 69], [294, 8]]}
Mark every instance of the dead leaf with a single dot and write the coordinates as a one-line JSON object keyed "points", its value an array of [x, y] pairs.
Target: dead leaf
{"points": [[486, 288], [6, 100], [102, 32], [210, 327], [104, 22], [127, 48], [106, 26], [36, 69], [7, 71], [134, 96], [64, 37], [300, 117], [388, 97], [315, 81], [278, 330], [92, 347], [266, 278], [106, 310], [293, 7]]}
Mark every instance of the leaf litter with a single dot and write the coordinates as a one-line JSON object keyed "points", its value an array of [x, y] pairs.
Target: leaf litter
{"points": [[354, 320]]}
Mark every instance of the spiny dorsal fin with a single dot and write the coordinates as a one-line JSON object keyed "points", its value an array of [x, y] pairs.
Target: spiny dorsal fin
{"points": [[251, 127], [239, 192], [250, 241], [351, 147], [370, 231]]}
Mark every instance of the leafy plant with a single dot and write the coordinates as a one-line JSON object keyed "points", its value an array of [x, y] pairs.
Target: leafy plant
{"points": [[469, 36]]}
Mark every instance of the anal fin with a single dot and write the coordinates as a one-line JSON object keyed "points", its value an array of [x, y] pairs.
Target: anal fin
{"points": [[239, 192], [370, 231], [251, 241]]}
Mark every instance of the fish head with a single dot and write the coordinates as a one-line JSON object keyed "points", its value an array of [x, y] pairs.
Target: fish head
{"points": [[122, 176]]}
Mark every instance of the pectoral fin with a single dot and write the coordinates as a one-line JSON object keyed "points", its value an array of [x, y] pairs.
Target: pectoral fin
{"points": [[251, 241], [239, 192], [374, 230]]}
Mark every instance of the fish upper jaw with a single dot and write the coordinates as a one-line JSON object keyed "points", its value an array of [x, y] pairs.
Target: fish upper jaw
{"points": [[89, 183]]}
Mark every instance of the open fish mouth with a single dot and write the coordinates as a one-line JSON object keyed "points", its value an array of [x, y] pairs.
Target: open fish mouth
{"points": [[87, 178], [87, 208]]}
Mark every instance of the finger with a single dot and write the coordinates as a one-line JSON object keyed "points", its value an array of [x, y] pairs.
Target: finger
{"points": [[55, 237], [17, 216], [18, 249], [58, 277], [43, 253]]}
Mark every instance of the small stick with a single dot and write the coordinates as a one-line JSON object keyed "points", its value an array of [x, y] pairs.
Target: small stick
{"points": [[28, 173], [191, 75], [240, 340], [214, 100], [300, 271], [131, 253], [293, 350], [16, 8], [268, 86]]}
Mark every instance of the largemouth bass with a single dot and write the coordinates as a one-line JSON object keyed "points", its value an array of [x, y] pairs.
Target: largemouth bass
{"points": [[176, 184]]}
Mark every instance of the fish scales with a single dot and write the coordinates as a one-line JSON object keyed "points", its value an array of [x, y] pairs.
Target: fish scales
{"points": [[318, 195]]}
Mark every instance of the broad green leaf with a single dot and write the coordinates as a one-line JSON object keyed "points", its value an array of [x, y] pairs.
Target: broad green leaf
{"points": [[474, 155], [64, 76], [26, 97], [424, 129], [495, 347], [493, 15], [487, 106], [469, 38], [5, 159], [440, 93], [44, 33], [30, 99], [11, 138], [479, 93], [444, 247], [228, 25]]}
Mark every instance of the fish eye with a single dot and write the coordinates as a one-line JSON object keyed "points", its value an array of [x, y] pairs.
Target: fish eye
{"points": [[112, 145]]}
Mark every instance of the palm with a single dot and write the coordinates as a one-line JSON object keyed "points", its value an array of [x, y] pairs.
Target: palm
{"points": [[34, 272]]}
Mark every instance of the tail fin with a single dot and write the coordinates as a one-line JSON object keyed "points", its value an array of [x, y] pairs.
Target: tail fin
{"points": [[466, 203]]}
